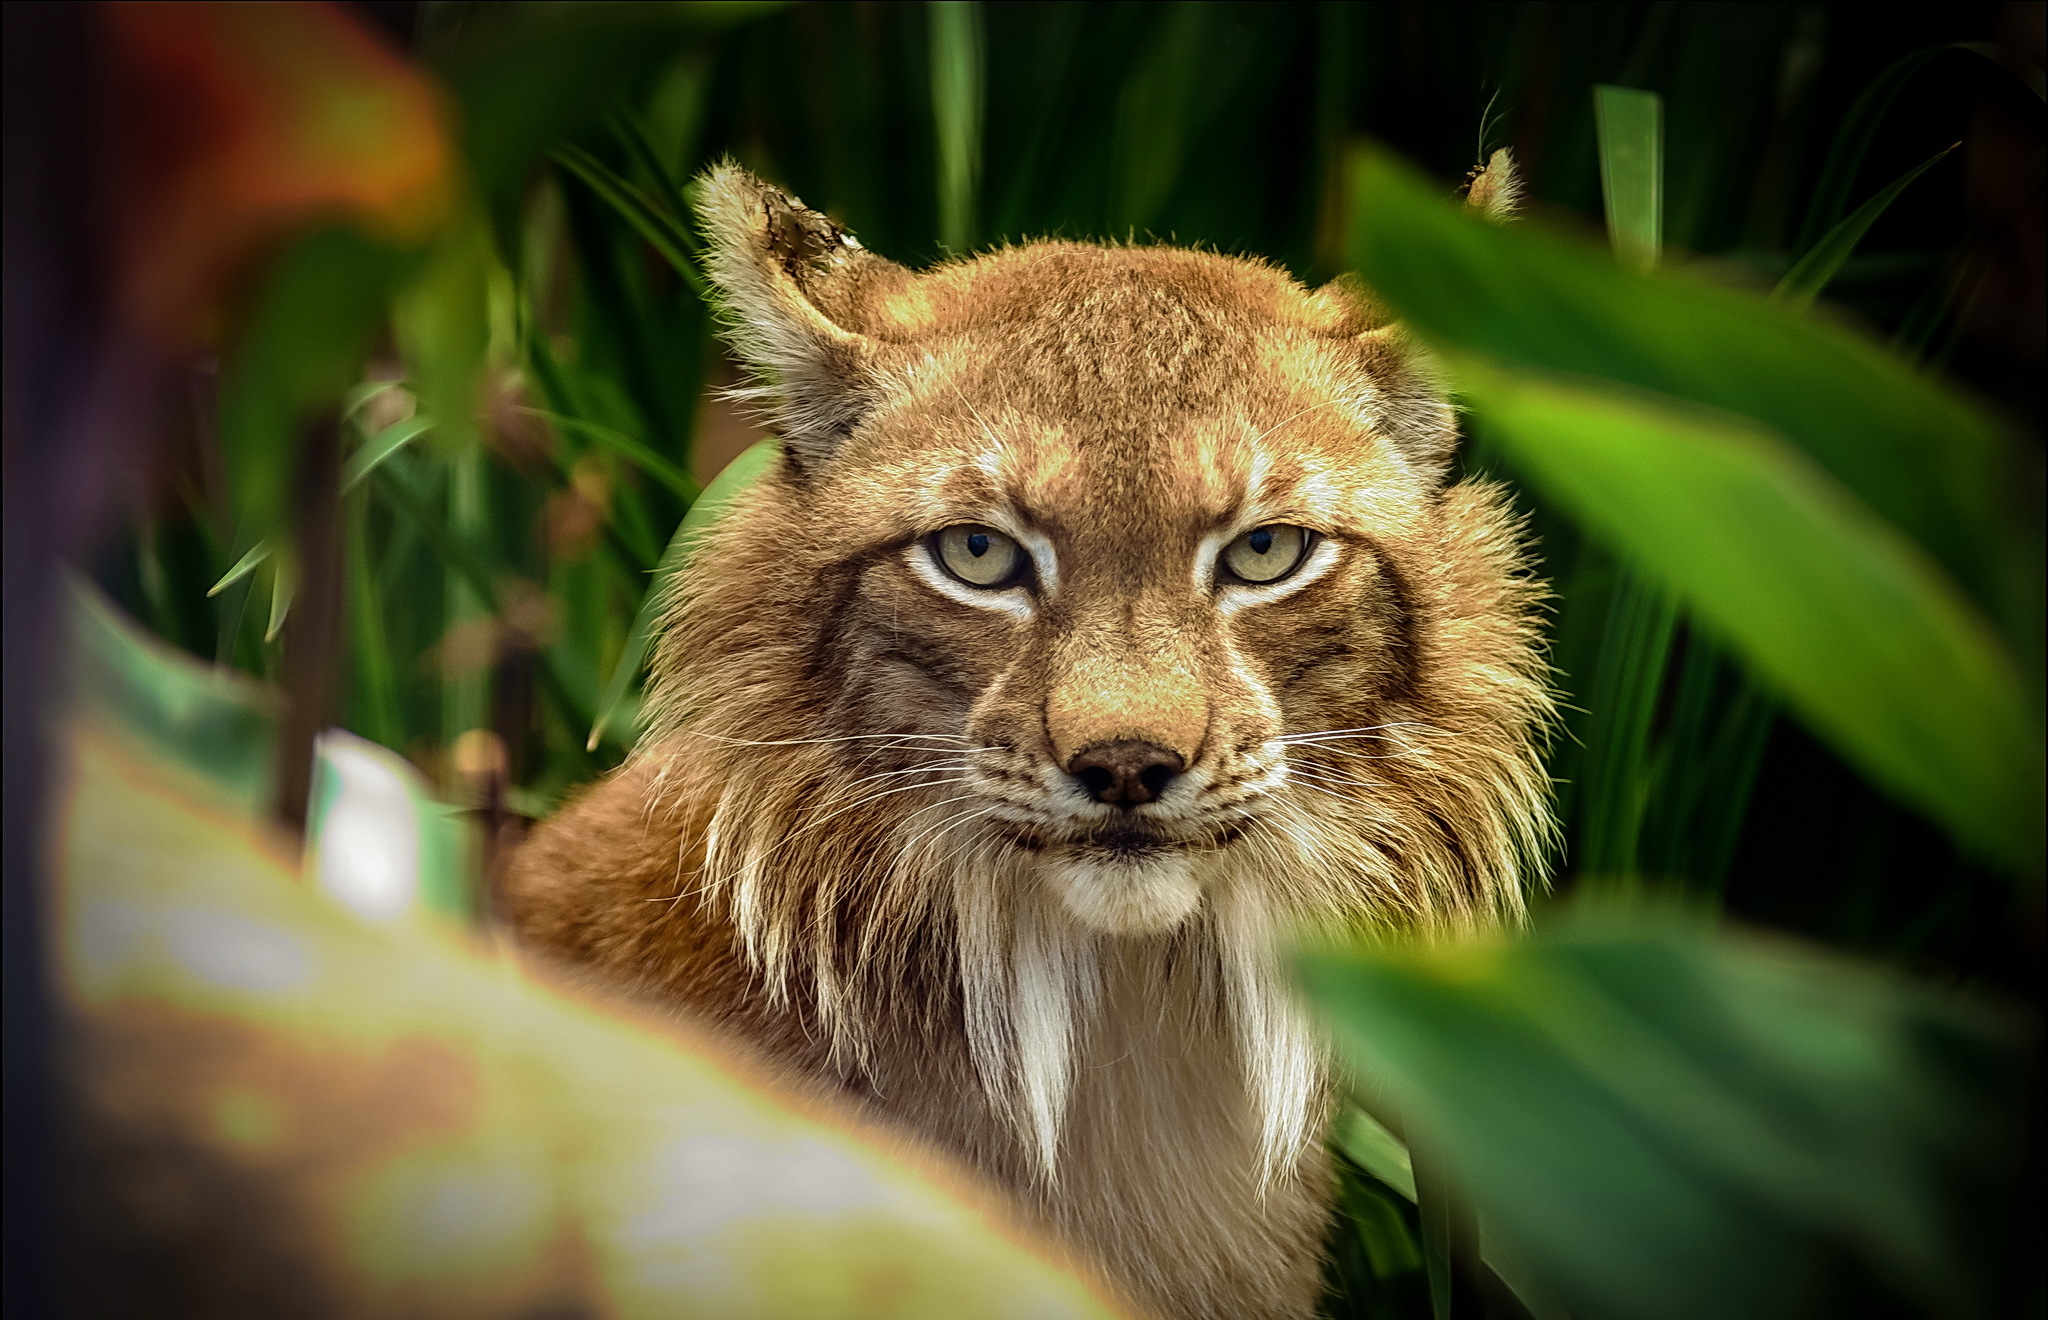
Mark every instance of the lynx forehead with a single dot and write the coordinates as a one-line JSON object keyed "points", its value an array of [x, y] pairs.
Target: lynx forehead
{"points": [[1107, 615]]}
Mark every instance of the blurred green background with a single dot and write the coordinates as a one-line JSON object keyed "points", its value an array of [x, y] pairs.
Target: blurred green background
{"points": [[1795, 550]]}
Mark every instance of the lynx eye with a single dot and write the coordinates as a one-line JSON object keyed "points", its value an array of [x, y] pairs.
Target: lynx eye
{"points": [[979, 556], [1266, 554]]}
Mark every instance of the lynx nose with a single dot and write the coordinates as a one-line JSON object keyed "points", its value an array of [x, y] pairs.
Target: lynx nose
{"points": [[1125, 774]]}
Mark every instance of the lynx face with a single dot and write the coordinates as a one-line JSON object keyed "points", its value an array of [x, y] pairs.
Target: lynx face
{"points": [[1143, 622]]}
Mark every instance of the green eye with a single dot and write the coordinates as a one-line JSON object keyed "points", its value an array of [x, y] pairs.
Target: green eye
{"points": [[1266, 554], [979, 556]]}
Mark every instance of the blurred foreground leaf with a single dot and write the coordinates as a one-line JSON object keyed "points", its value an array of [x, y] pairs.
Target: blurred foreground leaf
{"points": [[1865, 637], [1655, 1120], [1868, 640], [217, 725], [1922, 457], [367, 1120]]}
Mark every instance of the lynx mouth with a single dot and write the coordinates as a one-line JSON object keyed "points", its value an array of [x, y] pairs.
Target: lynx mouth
{"points": [[1123, 882], [1126, 844]]}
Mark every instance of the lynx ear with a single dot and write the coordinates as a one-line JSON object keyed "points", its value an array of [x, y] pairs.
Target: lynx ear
{"points": [[1399, 390], [1495, 188], [787, 281]]}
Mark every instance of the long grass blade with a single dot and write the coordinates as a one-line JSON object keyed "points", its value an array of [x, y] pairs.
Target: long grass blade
{"points": [[374, 451], [1859, 130], [371, 640], [667, 473], [664, 232], [244, 566], [736, 477], [283, 586], [956, 64], [1811, 273]]}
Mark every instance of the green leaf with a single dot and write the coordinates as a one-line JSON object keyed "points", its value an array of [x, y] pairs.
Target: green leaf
{"points": [[1631, 133], [243, 567], [736, 477], [1652, 1119], [284, 583], [1864, 636], [1379, 1152], [372, 453], [1811, 273], [1924, 458]]}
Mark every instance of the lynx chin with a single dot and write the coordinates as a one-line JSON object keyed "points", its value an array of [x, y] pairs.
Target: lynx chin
{"points": [[1108, 617]]}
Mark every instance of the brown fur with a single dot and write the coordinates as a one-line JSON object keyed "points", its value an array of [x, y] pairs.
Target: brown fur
{"points": [[849, 834]]}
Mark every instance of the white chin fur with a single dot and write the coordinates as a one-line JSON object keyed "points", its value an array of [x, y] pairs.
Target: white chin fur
{"points": [[1144, 895]]}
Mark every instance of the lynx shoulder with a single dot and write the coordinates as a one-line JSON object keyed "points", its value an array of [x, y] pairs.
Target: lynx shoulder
{"points": [[1108, 616]]}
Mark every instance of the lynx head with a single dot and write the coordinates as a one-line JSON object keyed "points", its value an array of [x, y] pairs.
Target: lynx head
{"points": [[1102, 597]]}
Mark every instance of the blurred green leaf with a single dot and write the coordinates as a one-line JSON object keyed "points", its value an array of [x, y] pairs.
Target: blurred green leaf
{"points": [[1922, 457], [210, 720], [1631, 135], [1864, 636], [540, 73], [1665, 1121], [957, 59], [295, 357], [443, 325], [736, 477]]}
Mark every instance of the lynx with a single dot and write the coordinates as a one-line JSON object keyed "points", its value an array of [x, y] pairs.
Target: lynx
{"points": [[1108, 617]]}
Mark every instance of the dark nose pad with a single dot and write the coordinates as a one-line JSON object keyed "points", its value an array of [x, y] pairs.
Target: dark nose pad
{"points": [[1125, 774]]}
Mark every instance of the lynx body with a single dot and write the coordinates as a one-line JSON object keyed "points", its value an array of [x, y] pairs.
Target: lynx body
{"points": [[1107, 618]]}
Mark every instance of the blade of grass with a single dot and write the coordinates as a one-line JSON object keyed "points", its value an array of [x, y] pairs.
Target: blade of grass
{"points": [[1636, 643], [371, 640], [1811, 273], [632, 135], [244, 566], [465, 697], [956, 72], [664, 232], [737, 476], [1622, 703], [1859, 130], [381, 446], [667, 473], [282, 583], [1631, 135]]}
